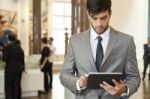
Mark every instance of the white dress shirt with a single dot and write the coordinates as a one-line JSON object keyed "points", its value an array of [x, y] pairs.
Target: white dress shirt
{"points": [[94, 41], [52, 55]]}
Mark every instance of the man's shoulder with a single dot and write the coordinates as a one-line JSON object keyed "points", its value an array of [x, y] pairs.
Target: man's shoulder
{"points": [[125, 35], [80, 35], [116, 31], [13, 46], [122, 35]]}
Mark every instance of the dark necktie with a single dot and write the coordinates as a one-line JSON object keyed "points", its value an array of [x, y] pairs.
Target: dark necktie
{"points": [[99, 54]]}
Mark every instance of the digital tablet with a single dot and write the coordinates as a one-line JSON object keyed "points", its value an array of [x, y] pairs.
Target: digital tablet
{"points": [[95, 79]]}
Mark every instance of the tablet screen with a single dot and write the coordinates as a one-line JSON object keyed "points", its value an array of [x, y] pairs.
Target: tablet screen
{"points": [[96, 78]]}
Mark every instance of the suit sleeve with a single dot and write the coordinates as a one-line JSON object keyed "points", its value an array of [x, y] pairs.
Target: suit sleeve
{"points": [[67, 74], [132, 75], [22, 59]]}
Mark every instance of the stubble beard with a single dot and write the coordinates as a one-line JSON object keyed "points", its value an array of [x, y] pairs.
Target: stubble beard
{"points": [[100, 29]]}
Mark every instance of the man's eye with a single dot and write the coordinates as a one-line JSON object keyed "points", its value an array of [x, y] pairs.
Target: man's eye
{"points": [[104, 18], [94, 18]]}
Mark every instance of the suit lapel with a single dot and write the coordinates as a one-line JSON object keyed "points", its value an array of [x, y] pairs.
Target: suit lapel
{"points": [[89, 51], [112, 40]]}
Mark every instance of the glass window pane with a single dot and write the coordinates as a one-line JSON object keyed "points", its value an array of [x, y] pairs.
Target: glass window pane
{"points": [[57, 8], [59, 41], [58, 22], [61, 19], [68, 9], [68, 22]]}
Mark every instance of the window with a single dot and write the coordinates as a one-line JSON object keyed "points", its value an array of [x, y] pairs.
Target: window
{"points": [[61, 19]]}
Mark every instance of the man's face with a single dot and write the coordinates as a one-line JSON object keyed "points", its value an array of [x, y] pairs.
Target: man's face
{"points": [[100, 21]]}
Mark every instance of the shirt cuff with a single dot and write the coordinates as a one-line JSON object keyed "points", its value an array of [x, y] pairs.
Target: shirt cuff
{"points": [[77, 85], [126, 93], [127, 90]]}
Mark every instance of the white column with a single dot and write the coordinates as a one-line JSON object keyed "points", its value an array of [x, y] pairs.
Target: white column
{"points": [[23, 24], [49, 18]]}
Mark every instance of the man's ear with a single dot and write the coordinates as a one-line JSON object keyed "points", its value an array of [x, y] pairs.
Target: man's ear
{"points": [[88, 15], [110, 13]]}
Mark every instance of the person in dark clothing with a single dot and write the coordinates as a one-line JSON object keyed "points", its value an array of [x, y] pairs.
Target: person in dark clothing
{"points": [[51, 60], [13, 55], [44, 63], [146, 58]]}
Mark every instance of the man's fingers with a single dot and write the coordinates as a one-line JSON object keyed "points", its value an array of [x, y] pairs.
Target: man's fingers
{"points": [[115, 82], [83, 80], [121, 81], [108, 88], [106, 84]]}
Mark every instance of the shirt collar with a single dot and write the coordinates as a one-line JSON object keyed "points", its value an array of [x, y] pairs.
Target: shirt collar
{"points": [[94, 35]]}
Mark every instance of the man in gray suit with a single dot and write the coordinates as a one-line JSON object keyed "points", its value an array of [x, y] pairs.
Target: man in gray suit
{"points": [[118, 51]]}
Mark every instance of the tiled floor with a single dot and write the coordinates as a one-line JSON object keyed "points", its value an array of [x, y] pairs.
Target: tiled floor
{"points": [[58, 91]]}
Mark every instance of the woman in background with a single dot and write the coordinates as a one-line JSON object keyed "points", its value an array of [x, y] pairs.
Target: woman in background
{"points": [[44, 63]]}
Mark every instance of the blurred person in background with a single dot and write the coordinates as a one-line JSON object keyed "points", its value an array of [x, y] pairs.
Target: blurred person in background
{"points": [[146, 58], [51, 60], [13, 55], [45, 64]]}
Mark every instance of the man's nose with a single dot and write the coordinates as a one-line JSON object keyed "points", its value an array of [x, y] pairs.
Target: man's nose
{"points": [[98, 22]]}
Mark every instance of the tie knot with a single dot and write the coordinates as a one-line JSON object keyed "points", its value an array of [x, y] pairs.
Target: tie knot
{"points": [[99, 38]]}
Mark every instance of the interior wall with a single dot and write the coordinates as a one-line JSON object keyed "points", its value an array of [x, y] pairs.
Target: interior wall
{"points": [[8, 5], [131, 17]]}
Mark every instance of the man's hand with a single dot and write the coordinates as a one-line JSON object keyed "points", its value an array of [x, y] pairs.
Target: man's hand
{"points": [[83, 81], [118, 89]]}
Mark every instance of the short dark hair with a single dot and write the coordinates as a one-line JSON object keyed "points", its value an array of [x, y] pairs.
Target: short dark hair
{"points": [[97, 6], [11, 37], [44, 40], [51, 38], [18, 42]]}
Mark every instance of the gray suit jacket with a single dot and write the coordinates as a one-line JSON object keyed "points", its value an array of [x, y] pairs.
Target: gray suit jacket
{"points": [[120, 56]]}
